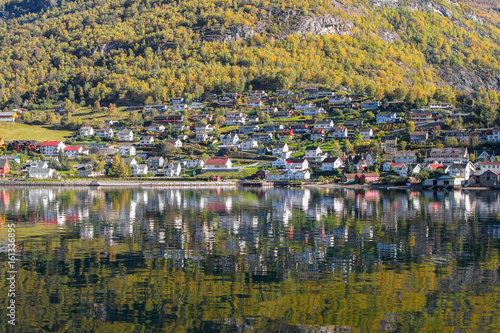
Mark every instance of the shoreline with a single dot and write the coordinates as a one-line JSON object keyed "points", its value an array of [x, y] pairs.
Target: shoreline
{"points": [[205, 184], [111, 183]]}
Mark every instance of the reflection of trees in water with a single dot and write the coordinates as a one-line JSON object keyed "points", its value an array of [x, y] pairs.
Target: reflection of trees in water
{"points": [[391, 225], [171, 259]]}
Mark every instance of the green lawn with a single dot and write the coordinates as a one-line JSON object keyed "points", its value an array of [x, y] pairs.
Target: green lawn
{"points": [[16, 131]]}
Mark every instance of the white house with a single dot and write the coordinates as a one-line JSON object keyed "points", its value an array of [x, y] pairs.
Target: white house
{"points": [[366, 133], [257, 93], [147, 140], [493, 135], [279, 163], [331, 163], [313, 111], [139, 170], [400, 168], [339, 132], [235, 121], [177, 100], [464, 170], [127, 150], [230, 139], [448, 155], [105, 133], [180, 107], [249, 144], [41, 173], [217, 164], [86, 131], [255, 103], [300, 164], [156, 128], [52, 148], [235, 115], [193, 164], [298, 174], [204, 128], [155, 162], [325, 124], [387, 117], [493, 166], [282, 150], [315, 154], [262, 137], [407, 156], [339, 100], [126, 135], [202, 137], [173, 169], [177, 143], [303, 106], [72, 151], [248, 129], [486, 156]]}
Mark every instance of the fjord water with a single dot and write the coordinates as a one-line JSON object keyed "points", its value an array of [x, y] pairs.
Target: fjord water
{"points": [[273, 260]]}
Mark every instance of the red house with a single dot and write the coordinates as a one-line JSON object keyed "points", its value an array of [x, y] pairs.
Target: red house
{"points": [[367, 178], [4, 167], [19, 145], [285, 133], [262, 174]]}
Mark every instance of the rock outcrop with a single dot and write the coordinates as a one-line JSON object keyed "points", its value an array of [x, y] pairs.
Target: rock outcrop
{"points": [[233, 33], [323, 25], [468, 80]]}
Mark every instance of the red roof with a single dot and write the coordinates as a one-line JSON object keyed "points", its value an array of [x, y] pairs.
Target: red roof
{"points": [[72, 148], [51, 143], [494, 172], [435, 166], [217, 161]]}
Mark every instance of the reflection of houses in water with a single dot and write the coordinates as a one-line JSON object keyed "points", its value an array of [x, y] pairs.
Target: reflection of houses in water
{"points": [[300, 199], [219, 204], [282, 212], [86, 231], [229, 222], [293, 225], [388, 251], [420, 244], [4, 199]]}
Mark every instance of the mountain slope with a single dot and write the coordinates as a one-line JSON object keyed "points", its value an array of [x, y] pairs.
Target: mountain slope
{"points": [[128, 51]]}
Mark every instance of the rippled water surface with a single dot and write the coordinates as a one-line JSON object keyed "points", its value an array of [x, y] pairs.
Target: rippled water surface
{"points": [[275, 260]]}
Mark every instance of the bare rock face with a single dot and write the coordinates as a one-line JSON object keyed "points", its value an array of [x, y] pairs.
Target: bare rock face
{"points": [[468, 80], [388, 36], [323, 25], [423, 5], [233, 33]]}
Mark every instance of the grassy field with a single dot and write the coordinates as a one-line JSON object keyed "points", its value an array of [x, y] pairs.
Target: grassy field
{"points": [[15, 131]]}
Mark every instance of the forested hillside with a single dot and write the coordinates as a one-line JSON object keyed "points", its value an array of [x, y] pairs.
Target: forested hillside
{"points": [[128, 52]]}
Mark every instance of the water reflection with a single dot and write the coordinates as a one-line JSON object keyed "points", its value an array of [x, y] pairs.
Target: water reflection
{"points": [[275, 259]]}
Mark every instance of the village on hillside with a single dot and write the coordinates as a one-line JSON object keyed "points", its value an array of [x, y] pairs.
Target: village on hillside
{"points": [[285, 137]]}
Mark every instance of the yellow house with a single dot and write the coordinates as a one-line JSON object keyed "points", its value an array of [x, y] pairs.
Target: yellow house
{"points": [[2, 143], [9, 117]]}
